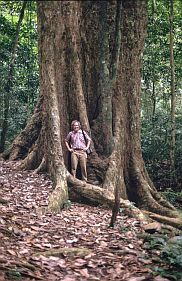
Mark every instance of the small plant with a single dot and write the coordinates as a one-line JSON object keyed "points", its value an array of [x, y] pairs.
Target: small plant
{"points": [[174, 198], [124, 229], [167, 254], [14, 274], [155, 242], [172, 254], [170, 195], [67, 204]]}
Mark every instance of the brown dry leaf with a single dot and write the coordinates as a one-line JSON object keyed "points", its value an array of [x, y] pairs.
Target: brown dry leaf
{"points": [[11, 252], [103, 244], [130, 246], [74, 240], [54, 258], [142, 278], [36, 228], [84, 272], [145, 261], [47, 245], [69, 278], [24, 251], [80, 261], [2, 276], [159, 278]]}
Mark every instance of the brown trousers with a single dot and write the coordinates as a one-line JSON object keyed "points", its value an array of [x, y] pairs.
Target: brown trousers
{"points": [[81, 157]]}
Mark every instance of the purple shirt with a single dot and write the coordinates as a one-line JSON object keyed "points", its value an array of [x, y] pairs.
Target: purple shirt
{"points": [[76, 139]]}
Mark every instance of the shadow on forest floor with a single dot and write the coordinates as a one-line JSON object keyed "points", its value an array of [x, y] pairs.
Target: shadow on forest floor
{"points": [[76, 244]]}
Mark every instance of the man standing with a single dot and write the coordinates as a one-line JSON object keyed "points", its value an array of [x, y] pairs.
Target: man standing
{"points": [[77, 142]]}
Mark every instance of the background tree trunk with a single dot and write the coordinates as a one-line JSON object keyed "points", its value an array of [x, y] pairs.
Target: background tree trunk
{"points": [[173, 95], [69, 50]]}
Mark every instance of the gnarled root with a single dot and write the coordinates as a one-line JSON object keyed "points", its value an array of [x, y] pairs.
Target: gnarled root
{"points": [[175, 222], [100, 196], [30, 162], [41, 167], [148, 198], [58, 197]]}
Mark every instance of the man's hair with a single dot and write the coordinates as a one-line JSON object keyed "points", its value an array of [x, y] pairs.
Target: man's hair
{"points": [[73, 123]]}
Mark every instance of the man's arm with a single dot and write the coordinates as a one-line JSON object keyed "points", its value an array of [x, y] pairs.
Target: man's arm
{"points": [[88, 144], [67, 143], [68, 147]]}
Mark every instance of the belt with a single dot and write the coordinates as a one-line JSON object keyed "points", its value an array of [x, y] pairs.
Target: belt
{"points": [[77, 149]]}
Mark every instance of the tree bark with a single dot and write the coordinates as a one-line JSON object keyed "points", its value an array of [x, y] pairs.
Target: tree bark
{"points": [[173, 95], [117, 42], [105, 83], [69, 48]]}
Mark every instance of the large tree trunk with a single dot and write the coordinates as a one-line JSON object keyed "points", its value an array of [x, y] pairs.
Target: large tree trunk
{"points": [[70, 87], [105, 83]]}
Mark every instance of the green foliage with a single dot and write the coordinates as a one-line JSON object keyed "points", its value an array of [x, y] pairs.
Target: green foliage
{"points": [[157, 51], [14, 274], [167, 254], [155, 242], [174, 198], [156, 146], [67, 204], [172, 254], [170, 195], [25, 82], [155, 114]]}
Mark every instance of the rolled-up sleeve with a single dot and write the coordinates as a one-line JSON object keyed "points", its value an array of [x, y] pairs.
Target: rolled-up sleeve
{"points": [[67, 139]]}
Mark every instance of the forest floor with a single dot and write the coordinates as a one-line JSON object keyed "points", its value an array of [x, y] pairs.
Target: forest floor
{"points": [[76, 244]]}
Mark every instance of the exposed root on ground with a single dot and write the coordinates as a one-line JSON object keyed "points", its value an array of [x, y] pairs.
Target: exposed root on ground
{"points": [[71, 252], [148, 197], [175, 222], [98, 195], [41, 167]]}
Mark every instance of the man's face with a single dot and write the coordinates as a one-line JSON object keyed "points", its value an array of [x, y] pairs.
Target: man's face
{"points": [[76, 127]]}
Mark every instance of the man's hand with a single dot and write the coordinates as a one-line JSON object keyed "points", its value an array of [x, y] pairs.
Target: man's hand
{"points": [[70, 150]]}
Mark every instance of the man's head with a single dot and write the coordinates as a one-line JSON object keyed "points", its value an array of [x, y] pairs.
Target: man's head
{"points": [[75, 125]]}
